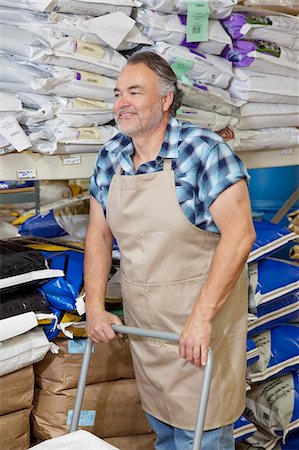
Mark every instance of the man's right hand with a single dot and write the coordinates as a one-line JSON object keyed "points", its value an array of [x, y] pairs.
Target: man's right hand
{"points": [[98, 326]]}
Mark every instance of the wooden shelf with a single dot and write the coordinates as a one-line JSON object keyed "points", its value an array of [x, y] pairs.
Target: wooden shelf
{"points": [[76, 166]]}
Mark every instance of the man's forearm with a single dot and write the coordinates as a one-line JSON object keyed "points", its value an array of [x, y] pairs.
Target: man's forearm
{"points": [[226, 267], [97, 265]]}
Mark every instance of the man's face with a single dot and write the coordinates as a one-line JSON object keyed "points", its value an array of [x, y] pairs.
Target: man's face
{"points": [[138, 105]]}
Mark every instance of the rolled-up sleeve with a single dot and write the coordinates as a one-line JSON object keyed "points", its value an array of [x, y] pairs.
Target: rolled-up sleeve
{"points": [[222, 169], [101, 178]]}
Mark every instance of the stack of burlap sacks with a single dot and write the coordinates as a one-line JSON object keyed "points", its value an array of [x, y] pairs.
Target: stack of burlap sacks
{"points": [[16, 393], [111, 407]]}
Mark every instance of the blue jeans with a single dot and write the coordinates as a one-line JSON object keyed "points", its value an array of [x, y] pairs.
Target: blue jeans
{"points": [[171, 438]]}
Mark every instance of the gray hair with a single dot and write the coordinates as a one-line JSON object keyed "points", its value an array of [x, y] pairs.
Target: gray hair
{"points": [[167, 78]]}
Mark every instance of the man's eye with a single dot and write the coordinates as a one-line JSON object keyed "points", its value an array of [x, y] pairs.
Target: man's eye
{"points": [[134, 93], [116, 95]]}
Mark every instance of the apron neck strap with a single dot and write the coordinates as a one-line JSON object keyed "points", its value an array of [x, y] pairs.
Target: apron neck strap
{"points": [[118, 170], [167, 164]]}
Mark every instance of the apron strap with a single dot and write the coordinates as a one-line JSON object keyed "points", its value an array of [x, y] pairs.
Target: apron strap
{"points": [[118, 170], [167, 164]]}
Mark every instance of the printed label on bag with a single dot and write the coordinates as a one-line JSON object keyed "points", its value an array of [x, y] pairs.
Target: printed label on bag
{"points": [[82, 103], [89, 77], [13, 133], [86, 419], [89, 134], [91, 50], [180, 67], [197, 21], [77, 346]]}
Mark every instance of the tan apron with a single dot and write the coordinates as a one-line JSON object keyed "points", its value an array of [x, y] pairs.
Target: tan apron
{"points": [[165, 261]]}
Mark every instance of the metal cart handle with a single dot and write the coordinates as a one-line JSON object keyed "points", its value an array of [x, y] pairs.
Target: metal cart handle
{"points": [[205, 389]]}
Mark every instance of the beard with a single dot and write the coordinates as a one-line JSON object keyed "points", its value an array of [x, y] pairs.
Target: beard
{"points": [[150, 119]]}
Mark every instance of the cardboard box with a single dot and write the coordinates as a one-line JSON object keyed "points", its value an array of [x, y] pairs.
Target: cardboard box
{"points": [[109, 409], [139, 442], [109, 362], [16, 390], [15, 430]]}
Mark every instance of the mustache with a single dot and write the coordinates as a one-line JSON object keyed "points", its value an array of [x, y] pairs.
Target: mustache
{"points": [[125, 111]]}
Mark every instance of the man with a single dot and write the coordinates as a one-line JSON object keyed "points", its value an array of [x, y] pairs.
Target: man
{"points": [[175, 198]]}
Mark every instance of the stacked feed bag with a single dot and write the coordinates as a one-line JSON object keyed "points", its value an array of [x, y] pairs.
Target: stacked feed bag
{"points": [[204, 76], [16, 391], [272, 403], [111, 407], [61, 67], [251, 102], [265, 56], [22, 341]]}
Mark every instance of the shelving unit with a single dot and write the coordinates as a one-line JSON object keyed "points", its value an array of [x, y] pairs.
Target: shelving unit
{"points": [[35, 166]]}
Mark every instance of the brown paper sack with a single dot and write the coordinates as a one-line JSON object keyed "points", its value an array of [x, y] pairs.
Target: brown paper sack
{"points": [[108, 362], [16, 390], [139, 442], [109, 409], [15, 430]]}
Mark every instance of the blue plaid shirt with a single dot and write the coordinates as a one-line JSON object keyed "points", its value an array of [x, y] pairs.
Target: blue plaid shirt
{"points": [[203, 165]]}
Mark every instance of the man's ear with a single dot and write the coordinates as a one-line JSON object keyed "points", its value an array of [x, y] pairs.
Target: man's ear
{"points": [[167, 101]]}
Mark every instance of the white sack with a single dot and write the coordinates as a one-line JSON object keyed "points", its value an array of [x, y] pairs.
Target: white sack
{"points": [[205, 68], [9, 102], [94, 8], [267, 115], [73, 25], [263, 88], [219, 9], [74, 112], [23, 350], [283, 38], [48, 140], [209, 98], [169, 28], [205, 119], [78, 440], [264, 139], [61, 51], [41, 79]]}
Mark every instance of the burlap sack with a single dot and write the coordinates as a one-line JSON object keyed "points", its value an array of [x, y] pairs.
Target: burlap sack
{"points": [[109, 409], [15, 430], [108, 362], [16, 390], [139, 442]]}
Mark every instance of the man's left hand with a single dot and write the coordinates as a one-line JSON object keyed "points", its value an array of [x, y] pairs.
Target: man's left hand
{"points": [[195, 340]]}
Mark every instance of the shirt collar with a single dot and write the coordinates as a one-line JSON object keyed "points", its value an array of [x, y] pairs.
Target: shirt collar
{"points": [[169, 148]]}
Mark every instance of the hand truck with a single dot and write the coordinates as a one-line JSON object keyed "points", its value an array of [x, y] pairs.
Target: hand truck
{"points": [[204, 394]]}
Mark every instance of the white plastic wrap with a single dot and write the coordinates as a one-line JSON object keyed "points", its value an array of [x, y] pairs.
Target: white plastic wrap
{"points": [[9, 102], [282, 38], [74, 112], [60, 24], [169, 28], [61, 51], [208, 69], [42, 79], [205, 119], [60, 139], [263, 88], [219, 9], [93, 8]]}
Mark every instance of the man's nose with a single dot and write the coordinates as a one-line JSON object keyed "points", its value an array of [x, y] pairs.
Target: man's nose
{"points": [[122, 101]]}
